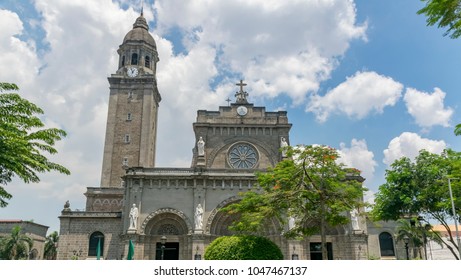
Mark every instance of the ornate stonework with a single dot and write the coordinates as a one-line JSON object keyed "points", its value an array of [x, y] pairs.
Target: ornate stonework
{"points": [[180, 214]]}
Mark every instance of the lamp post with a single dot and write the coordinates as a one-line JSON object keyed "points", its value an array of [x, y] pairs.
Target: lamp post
{"points": [[406, 239], [162, 247], [455, 217]]}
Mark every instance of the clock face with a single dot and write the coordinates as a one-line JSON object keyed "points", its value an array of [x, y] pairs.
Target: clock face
{"points": [[242, 110], [132, 72]]}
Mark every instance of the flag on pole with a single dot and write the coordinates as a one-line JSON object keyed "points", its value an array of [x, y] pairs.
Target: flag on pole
{"points": [[130, 250], [98, 249]]}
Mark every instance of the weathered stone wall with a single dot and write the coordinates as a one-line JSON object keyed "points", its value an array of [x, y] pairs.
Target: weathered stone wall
{"points": [[75, 231]]}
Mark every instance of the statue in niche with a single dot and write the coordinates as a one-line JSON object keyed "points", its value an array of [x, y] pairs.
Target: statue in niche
{"points": [[198, 217], [283, 145], [134, 213], [201, 146], [355, 219], [291, 222]]}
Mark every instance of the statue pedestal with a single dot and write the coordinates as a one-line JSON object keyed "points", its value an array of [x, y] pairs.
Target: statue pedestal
{"points": [[131, 231], [198, 231], [201, 161]]}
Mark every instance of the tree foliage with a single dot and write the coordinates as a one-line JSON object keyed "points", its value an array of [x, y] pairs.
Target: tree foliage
{"points": [[243, 247], [444, 14], [23, 141], [51, 245], [458, 129], [15, 246], [420, 188], [309, 188]]}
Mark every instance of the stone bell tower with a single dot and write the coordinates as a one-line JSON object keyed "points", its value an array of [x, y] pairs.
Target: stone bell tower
{"points": [[131, 129]]}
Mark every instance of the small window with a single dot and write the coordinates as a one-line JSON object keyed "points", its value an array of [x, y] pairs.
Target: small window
{"points": [[134, 59], [130, 94], [96, 240], [147, 61], [125, 161], [123, 60], [128, 117], [127, 138]]}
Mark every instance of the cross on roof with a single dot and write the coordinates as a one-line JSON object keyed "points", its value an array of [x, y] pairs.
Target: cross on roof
{"points": [[241, 95], [241, 84]]}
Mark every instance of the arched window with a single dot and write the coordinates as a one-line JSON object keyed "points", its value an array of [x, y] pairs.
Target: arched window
{"points": [[147, 61], [123, 60], [33, 254], [386, 244], [134, 59], [95, 239]]}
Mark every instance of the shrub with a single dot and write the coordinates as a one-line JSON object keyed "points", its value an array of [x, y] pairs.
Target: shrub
{"points": [[243, 247]]}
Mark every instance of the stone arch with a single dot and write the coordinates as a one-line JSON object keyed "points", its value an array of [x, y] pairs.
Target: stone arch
{"points": [[218, 222], [166, 221]]}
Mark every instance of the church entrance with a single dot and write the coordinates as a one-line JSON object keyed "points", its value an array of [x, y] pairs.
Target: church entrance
{"points": [[170, 251]]}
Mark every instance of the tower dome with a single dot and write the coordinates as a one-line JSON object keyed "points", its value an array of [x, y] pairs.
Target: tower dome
{"points": [[140, 32], [138, 49]]}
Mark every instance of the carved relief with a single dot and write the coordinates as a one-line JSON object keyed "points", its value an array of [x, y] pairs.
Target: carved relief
{"points": [[178, 213]]}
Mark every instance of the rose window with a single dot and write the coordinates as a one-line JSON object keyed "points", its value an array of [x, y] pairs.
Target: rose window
{"points": [[242, 155]]}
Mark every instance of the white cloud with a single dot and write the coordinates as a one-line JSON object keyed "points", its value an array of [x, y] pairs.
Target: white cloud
{"points": [[357, 97], [358, 156], [263, 39], [18, 61], [427, 108], [409, 144]]}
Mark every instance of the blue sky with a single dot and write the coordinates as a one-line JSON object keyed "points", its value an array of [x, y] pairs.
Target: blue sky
{"points": [[367, 77]]}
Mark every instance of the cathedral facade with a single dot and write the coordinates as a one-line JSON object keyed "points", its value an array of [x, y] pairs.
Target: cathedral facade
{"points": [[173, 213]]}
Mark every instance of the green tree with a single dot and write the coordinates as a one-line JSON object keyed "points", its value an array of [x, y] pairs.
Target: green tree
{"points": [[309, 188], [243, 247], [22, 141], [51, 245], [458, 129], [15, 246], [420, 188], [444, 14]]}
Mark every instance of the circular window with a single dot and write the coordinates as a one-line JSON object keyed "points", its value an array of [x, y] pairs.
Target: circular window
{"points": [[242, 155]]}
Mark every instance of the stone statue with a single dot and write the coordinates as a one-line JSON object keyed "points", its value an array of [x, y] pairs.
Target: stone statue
{"points": [[134, 213], [283, 145], [355, 219], [291, 222], [198, 217], [67, 205], [201, 146]]}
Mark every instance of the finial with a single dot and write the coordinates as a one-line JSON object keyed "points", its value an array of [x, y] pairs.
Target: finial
{"points": [[142, 7]]}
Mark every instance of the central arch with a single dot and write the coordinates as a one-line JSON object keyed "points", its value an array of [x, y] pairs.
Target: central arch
{"points": [[174, 226]]}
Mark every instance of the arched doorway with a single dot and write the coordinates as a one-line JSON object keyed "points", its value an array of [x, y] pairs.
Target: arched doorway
{"points": [[166, 234]]}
